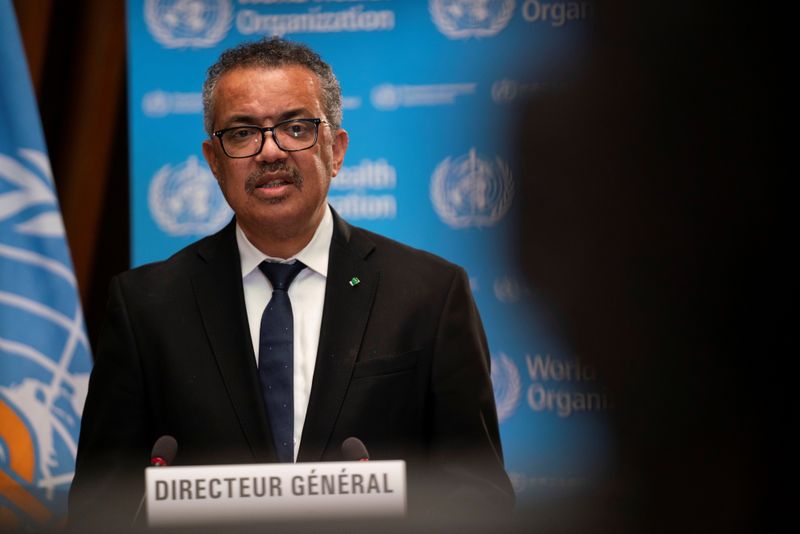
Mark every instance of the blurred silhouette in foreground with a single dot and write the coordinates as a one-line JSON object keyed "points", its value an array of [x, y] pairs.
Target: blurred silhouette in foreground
{"points": [[651, 229]]}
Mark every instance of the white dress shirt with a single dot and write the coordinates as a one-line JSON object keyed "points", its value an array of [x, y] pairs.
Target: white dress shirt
{"points": [[307, 294]]}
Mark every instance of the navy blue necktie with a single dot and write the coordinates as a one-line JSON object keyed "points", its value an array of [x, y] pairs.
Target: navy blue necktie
{"points": [[276, 356]]}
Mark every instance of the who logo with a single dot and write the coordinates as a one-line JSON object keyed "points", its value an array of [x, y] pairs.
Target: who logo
{"points": [[507, 386], [44, 352], [188, 23], [471, 190], [185, 199], [462, 19]]}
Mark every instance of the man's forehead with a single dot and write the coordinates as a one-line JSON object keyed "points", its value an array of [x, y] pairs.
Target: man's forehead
{"points": [[292, 70], [282, 87]]}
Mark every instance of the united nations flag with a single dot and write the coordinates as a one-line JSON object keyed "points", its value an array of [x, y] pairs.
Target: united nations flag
{"points": [[44, 354]]}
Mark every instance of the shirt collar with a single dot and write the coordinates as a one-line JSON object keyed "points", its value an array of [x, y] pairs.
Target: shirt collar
{"points": [[314, 255]]}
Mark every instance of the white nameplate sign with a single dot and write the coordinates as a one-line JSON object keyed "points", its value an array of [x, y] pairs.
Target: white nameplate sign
{"points": [[253, 492]]}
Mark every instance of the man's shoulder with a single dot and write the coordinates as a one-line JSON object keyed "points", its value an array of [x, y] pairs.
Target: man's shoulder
{"points": [[183, 263], [391, 254], [385, 253]]}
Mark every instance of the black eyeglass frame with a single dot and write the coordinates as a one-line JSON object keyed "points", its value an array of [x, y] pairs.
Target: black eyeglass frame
{"points": [[264, 129]]}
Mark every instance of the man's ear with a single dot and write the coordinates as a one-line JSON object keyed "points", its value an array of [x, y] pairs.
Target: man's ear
{"points": [[211, 157], [340, 142]]}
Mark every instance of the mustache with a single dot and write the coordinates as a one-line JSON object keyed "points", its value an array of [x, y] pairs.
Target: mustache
{"points": [[264, 172]]}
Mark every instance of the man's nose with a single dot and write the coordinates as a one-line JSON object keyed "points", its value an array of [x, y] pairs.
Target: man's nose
{"points": [[270, 151]]}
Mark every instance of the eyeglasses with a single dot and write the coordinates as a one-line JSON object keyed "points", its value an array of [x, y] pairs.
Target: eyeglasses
{"points": [[290, 136]]}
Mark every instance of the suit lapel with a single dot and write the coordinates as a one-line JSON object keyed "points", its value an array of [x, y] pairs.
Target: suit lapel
{"points": [[220, 299], [344, 318]]}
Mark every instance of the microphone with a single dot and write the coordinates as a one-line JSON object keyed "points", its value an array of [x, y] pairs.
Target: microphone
{"points": [[163, 453], [353, 450]]}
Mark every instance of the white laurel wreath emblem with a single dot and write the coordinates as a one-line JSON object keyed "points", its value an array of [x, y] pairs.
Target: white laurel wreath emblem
{"points": [[204, 37], [445, 14], [470, 191], [185, 199], [48, 401], [507, 386], [32, 190]]}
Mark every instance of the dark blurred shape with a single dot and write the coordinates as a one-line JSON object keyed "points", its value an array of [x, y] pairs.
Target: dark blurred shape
{"points": [[164, 450], [651, 229], [354, 450]]}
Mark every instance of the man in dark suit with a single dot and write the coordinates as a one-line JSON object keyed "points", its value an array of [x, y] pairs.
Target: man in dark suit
{"points": [[388, 345]]}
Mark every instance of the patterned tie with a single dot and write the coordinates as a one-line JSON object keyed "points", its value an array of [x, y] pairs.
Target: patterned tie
{"points": [[276, 356]]}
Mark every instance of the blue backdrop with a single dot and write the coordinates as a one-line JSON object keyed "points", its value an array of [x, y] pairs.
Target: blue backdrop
{"points": [[430, 92]]}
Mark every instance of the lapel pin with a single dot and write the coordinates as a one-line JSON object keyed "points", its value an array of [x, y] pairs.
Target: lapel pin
{"points": [[354, 281]]}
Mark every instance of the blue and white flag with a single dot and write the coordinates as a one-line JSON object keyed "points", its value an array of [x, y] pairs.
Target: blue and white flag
{"points": [[45, 358]]}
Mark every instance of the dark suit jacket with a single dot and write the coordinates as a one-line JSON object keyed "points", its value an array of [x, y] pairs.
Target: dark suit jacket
{"points": [[402, 364]]}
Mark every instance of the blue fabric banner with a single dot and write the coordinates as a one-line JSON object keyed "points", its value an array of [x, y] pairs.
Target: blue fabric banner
{"points": [[45, 358], [431, 90]]}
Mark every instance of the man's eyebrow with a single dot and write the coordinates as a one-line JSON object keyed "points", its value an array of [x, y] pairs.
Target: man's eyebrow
{"points": [[253, 120], [241, 119], [293, 114]]}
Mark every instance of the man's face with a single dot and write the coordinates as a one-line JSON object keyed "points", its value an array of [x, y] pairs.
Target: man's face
{"points": [[276, 195]]}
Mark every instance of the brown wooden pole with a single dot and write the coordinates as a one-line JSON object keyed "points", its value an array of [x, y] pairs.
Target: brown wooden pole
{"points": [[33, 17], [85, 151]]}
